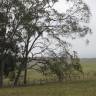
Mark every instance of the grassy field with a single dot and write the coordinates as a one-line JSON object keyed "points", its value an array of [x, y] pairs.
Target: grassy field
{"points": [[89, 65], [78, 88], [67, 88]]}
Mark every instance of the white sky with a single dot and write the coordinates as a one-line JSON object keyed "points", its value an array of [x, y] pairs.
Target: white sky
{"points": [[79, 45]]}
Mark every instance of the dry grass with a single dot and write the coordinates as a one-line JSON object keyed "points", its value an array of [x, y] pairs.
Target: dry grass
{"points": [[78, 88]]}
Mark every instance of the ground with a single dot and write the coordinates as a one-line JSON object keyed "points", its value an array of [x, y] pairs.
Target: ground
{"points": [[67, 88], [78, 88]]}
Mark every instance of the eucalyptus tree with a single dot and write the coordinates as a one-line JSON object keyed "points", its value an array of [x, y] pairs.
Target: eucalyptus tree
{"points": [[61, 65], [7, 45], [61, 25], [8, 39], [33, 24]]}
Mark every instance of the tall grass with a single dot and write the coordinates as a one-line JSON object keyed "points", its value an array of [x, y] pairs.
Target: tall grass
{"points": [[77, 88]]}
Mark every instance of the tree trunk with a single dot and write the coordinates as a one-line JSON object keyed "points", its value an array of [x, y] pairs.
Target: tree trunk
{"points": [[23, 65], [60, 76], [25, 71], [25, 75], [1, 74], [1, 80], [18, 75]]}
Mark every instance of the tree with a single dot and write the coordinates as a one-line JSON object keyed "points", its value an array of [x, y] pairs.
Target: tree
{"points": [[33, 24], [61, 65], [8, 47], [41, 19]]}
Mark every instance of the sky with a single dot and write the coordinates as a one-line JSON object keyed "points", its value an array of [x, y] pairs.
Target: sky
{"points": [[84, 50]]}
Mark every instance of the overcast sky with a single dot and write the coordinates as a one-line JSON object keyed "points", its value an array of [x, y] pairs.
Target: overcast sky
{"points": [[84, 50]]}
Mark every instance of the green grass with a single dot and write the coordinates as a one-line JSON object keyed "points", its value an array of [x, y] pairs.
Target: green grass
{"points": [[89, 65], [67, 88], [78, 88], [34, 75]]}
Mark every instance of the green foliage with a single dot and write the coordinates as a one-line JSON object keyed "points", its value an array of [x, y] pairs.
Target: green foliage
{"points": [[9, 64], [26, 22], [62, 66]]}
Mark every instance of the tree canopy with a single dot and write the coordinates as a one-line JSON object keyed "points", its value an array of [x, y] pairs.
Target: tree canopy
{"points": [[29, 27]]}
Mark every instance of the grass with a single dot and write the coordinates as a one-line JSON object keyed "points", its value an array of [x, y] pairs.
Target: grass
{"points": [[78, 88], [67, 88], [34, 75], [89, 65]]}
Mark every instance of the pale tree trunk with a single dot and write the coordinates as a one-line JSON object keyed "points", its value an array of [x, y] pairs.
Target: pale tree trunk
{"points": [[17, 77], [18, 73], [22, 66]]}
